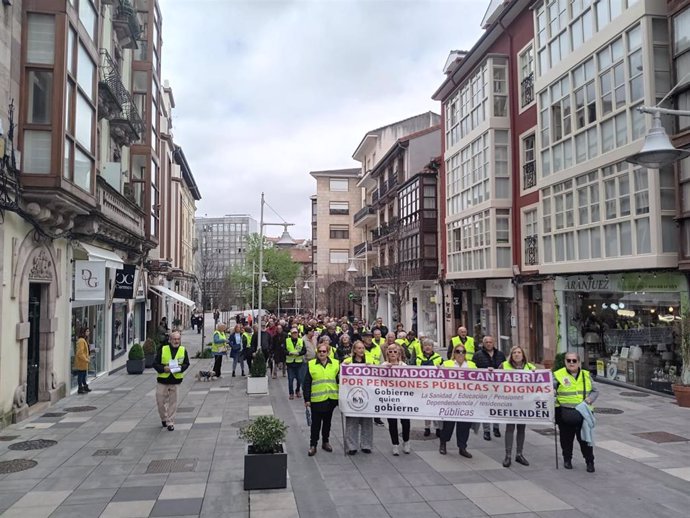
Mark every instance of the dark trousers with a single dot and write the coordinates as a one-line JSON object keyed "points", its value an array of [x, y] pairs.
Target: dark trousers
{"points": [[569, 425], [321, 414], [248, 357], [217, 361], [393, 430], [462, 432], [81, 378]]}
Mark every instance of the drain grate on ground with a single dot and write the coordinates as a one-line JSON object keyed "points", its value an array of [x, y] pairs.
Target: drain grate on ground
{"points": [[545, 431], [610, 411], [7, 438], [54, 414], [634, 394], [34, 444], [80, 408], [16, 465], [418, 435], [241, 424], [111, 452], [661, 437], [185, 409], [171, 466]]}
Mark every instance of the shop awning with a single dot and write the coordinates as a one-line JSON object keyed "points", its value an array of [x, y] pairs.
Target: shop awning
{"points": [[170, 293], [112, 260]]}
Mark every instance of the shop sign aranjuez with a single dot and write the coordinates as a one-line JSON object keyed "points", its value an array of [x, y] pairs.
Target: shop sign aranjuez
{"points": [[475, 395]]}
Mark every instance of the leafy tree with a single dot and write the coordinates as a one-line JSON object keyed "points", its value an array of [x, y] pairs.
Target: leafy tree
{"points": [[281, 272]]}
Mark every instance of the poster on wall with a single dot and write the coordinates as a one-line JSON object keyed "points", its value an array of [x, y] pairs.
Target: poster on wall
{"points": [[89, 280]]}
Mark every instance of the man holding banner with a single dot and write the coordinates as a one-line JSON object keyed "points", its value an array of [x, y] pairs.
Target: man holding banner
{"points": [[462, 428]]}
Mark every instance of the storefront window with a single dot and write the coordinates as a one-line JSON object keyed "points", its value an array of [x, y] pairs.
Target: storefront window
{"points": [[627, 327], [92, 317], [119, 330]]}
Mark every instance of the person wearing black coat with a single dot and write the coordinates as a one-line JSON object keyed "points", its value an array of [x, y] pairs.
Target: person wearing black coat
{"points": [[278, 351], [488, 357]]}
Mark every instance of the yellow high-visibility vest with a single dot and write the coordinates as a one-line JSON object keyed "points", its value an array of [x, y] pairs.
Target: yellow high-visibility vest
{"points": [[166, 356]]}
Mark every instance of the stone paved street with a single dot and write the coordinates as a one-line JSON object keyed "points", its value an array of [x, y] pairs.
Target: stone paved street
{"points": [[103, 461]]}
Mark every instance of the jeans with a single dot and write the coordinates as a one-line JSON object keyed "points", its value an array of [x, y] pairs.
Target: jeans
{"points": [[81, 378], [293, 371], [393, 430], [353, 439], [321, 415], [235, 359]]}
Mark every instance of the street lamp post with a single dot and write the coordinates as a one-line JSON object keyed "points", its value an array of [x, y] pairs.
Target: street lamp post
{"points": [[285, 240], [353, 269], [306, 287]]}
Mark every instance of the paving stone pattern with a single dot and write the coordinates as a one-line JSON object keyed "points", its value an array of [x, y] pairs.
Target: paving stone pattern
{"points": [[101, 464]]}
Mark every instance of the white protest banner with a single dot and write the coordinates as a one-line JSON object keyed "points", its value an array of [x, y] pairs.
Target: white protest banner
{"points": [[475, 395]]}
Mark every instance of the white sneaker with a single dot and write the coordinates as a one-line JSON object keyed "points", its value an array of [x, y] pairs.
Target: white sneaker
{"points": [[396, 450], [406, 447]]}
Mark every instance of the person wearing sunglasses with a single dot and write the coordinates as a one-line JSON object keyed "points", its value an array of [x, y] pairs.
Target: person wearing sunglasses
{"points": [[428, 356], [573, 386], [394, 359], [516, 360], [462, 428], [321, 395], [359, 431]]}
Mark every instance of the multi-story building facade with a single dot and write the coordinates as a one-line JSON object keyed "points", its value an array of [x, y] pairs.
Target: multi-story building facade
{"points": [[337, 198], [398, 222], [80, 189], [221, 245], [582, 233]]}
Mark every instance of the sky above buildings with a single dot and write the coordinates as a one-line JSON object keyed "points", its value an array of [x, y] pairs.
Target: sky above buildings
{"points": [[267, 91]]}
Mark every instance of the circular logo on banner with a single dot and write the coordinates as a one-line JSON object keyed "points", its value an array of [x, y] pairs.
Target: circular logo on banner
{"points": [[357, 399]]}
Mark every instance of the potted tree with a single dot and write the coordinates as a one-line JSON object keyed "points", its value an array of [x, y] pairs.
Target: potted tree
{"points": [[136, 362], [257, 383], [149, 353], [265, 460], [681, 389]]}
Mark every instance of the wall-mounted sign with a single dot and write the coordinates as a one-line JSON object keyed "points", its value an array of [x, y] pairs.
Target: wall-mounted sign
{"points": [[500, 288], [89, 280], [124, 282]]}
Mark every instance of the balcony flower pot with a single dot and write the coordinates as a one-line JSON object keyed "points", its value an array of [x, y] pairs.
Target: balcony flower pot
{"points": [[265, 460], [257, 383]]}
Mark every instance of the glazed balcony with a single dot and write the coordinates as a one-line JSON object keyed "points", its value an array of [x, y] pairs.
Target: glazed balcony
{"points": [[126, 24]]}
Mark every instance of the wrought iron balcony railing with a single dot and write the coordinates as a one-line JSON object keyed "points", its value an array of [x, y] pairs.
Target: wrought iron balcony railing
{"points": [[363, 213], [531, 250], [527, 88], [361, 247], [115, 103], [529, 175], [126, 24]]}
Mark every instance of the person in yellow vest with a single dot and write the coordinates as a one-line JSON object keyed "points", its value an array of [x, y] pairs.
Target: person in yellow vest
{"points": [[462, 338], [414, 346], [462, 432], [573, 386], [404, 344], [171, 362], [372, 347], [517, 359], [294, 358], [428, 356], [321, 395], [219, 348], [359, 431], [394, 354], [377, 339]]}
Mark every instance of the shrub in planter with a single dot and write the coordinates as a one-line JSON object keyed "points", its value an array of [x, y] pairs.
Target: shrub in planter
{"points": [[149, 353], [265, 462], [136, 361], [257, 383]]}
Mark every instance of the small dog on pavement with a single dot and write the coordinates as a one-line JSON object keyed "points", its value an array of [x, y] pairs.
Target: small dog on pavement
{"points": [[205, 376]]}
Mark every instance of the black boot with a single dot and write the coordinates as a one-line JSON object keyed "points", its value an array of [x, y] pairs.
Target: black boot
{"points": [[81, 390], [567, 464], [590, 467], [427, 432], [442, 448], [86, 388], [507, 461]]}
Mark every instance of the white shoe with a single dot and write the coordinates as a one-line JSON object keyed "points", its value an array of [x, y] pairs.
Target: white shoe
{"points": [[396, 450], [406, 447]]}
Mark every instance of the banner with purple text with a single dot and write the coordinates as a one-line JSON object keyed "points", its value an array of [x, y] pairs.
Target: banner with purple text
{"points": [[475, 395]]}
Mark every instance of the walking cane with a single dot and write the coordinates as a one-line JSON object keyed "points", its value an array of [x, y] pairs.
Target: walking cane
{"points": [[342, 422], [555, 442]]}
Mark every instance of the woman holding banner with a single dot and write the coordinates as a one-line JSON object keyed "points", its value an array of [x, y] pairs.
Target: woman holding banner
{"points": [[394, 359], [429, 357], [516, 360], [353, 439], [462, 432]]}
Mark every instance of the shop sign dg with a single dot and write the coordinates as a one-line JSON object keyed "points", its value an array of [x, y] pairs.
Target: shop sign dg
{"points": [[89, 280]]}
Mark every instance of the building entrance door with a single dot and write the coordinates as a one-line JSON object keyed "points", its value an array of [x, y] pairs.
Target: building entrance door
{"points": [[33, 357]]}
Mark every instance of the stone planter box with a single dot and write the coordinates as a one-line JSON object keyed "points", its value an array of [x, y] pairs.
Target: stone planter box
{"points": [[135, 366], [265, 470], [257, 385]]}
